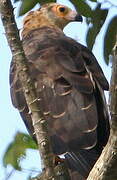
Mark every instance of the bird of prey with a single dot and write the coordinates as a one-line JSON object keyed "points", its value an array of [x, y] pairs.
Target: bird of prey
{"points": [[70, 85]]}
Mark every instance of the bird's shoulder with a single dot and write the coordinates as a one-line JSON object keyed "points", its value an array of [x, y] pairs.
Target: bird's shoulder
{"points": [[48, 45]]}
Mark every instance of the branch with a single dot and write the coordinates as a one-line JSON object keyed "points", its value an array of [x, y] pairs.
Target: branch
{"points": [[106, 166], [60, 170], [39, 123]]}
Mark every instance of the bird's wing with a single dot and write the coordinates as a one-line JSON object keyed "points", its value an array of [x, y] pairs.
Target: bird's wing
{"points": [[65, 75]]}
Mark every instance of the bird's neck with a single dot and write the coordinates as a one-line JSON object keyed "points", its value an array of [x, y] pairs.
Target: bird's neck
{"points": [[33, 22]]}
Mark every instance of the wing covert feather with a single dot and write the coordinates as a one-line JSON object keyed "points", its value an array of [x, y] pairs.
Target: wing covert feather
{"points": [[58, 67]]}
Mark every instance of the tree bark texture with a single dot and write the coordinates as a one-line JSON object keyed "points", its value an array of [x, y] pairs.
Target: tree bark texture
{"points": [[106, 166], [39, 123]]}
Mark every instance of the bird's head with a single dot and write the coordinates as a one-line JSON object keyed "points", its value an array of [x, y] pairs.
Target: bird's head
{"points": [[51, 14], [59, 15]]}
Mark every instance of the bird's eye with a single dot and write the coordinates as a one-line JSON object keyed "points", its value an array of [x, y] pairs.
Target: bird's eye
{"points": [[62, 9]]}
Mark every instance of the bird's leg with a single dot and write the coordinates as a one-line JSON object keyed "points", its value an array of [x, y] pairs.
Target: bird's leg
{"points": [[58, 160]]}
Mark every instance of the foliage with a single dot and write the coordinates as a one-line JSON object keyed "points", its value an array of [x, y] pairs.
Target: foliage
{"points": [[17, 150], [26, 6], [83, 8], [95, 19]]}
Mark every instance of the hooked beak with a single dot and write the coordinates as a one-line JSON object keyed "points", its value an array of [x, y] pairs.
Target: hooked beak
{"points": [[78, 18]]}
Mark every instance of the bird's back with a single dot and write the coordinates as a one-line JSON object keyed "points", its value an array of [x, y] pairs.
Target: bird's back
{"points": [[70, 84]]}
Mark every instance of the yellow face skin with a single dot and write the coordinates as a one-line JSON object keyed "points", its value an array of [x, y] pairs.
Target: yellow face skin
{"points": [[60, 10], [51, 14]]}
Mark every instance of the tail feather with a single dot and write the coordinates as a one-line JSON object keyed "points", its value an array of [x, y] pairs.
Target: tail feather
{"points": [[81, 162], [77, 162]]}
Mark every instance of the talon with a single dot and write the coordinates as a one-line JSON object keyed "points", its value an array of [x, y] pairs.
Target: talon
{"points": [[58, 160]]}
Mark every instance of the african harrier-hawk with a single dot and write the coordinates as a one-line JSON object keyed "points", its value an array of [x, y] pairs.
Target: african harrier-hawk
{"points": [[70, 85]]}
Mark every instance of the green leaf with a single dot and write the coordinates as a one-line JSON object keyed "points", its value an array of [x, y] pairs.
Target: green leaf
{"points": [[17, 150], [97, 20], [46, 1], [110, 38], [83, 7], [93, 0], [26, 6]]}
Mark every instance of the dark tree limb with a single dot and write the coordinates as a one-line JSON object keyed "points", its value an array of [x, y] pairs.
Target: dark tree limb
{"points": [[106, 166], [39, 123]]}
